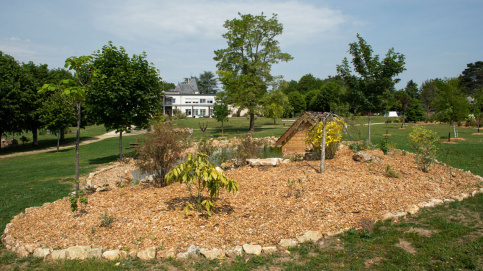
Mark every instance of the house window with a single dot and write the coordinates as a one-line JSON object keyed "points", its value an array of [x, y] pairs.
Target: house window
{"points": [[195, 101], [202, 101], [174, 100], [187, 100], [202, 112], [188, 112], [210, 101], [195, 112], [211, 112]]}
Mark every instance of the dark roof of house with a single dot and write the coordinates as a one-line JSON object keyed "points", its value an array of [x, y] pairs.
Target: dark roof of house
{"points": [[190, 87], [307, 117]]}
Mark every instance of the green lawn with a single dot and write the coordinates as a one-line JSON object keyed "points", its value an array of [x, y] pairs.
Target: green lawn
{"points": [[50, 140], [457, 242]]}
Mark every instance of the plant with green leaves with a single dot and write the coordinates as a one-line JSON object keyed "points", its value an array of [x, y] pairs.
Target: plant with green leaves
{"points": [[221, 112], [424, 143], [75, 200], [384, 144], [199, 174]]}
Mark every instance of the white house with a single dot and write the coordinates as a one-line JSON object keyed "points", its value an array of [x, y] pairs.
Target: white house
{"points": [[187, 98]]}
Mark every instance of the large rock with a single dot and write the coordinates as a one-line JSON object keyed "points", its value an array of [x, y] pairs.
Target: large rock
{"points": [[94, 253], [21, 251], [269, 249], [313, 236], [252, 249], [212, 253], [165, 254], [413, 209], [288, 243], [58, 254], [112, 255], [77, 252], [365, 157], [273, 162], [147, 254], [41, 252], [31, 247], [234, 251]]}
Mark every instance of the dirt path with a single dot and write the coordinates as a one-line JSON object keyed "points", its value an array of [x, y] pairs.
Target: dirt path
{"points": [[72, 144]]}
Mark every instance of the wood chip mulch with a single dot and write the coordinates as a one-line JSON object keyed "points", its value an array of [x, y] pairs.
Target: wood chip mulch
{"points": [[264, 210]]}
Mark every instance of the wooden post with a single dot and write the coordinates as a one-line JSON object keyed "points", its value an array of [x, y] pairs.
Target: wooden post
{"points": [[322, 154]]}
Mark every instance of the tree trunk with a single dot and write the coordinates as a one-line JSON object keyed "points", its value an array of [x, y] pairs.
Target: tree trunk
{"points": [[58, 140], [120, 145], [404, 118], [274, 119], [454, 130], [478, 124], [252, 122], [77, 141], [322, 153], [62, 134], [222, 128], [35, 136], [369, 129]]}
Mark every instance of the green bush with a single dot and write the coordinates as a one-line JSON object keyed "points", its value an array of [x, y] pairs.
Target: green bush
{"points": [[424, 143], [198, 173]]}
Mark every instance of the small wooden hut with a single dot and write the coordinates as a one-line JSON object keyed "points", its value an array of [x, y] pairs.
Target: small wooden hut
{"points": [[293, 140]]}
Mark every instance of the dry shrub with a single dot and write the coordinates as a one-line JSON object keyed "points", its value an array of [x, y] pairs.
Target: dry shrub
{"points": [[159, 151], [247, 149]]}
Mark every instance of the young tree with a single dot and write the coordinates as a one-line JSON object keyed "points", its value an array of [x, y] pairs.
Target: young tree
{"points": [[125, 92], [450, 103], [427, 93], [370, 77], [244, 67], [404, 101], [207, 83], [274, 105], [10, 108], [476, 105], [221, 112], [75, 93]]}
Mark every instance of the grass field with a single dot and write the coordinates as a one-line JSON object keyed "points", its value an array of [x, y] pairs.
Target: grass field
{"points": [[456, 243]]}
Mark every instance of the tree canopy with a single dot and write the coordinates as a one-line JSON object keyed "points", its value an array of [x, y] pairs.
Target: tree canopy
{"points": [[370, 76], [244, 67], [126, 90], [10, 108], [472, 77], [207, 83]]}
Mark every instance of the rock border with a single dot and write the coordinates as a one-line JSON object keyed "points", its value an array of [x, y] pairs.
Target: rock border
{"points": [[150, 253]]}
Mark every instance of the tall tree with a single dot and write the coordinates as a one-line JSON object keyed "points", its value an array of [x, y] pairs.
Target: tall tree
{"points": [[308, 82], [75, 93], [370, 77], [10, 108], [297, 102], [33, 77], [207, 83], [472, 77], [126, 91], [450, 102], [244, 67], [427, 93]]}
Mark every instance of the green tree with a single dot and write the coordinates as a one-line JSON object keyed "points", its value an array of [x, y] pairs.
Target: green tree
{"points": [[33, 77], [370, 77], [275, 104], [450, 102], [308, 82], [207, 83], [309, 96], [125, 93], [10, 108], [404, 101], [415, 111], [244, 67], [297, 102], [75, 92], [289, 87], [472, 77], [221, 112], [476, 105], [57, 114], [427, 93]]}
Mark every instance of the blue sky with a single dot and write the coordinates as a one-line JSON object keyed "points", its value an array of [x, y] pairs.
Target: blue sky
{"points": [[437, 37]]}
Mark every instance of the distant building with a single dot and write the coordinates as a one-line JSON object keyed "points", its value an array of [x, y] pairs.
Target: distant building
{"points": [[187, 98]]}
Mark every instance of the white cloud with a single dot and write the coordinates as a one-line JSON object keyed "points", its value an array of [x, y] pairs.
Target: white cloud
{"points": [[186, 21]]}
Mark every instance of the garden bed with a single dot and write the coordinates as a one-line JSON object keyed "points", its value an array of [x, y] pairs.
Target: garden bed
{"points": [[265, 210]]}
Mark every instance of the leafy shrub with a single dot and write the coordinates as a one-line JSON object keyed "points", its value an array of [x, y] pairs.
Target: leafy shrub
{"points": [[74, 200], [178, 114], [424, 143], [247, 149], [359, 146], [332, 139], [198, 173], [106, 220], [384, 145], [159, 151], [206, 146]]}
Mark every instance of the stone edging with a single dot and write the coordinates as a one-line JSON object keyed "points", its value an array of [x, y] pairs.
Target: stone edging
{"points": [[85, 252]]}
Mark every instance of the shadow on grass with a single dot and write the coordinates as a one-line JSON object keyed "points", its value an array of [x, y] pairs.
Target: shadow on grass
{"points": [[103, 160]]}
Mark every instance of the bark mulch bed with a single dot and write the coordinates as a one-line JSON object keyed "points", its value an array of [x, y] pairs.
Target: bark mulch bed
{"points": [[264, 210]]}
